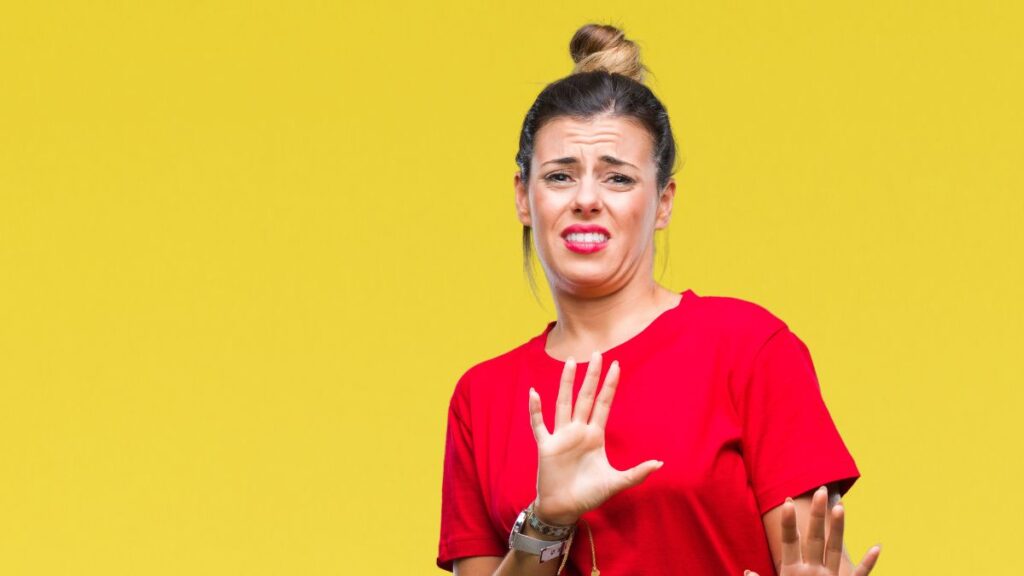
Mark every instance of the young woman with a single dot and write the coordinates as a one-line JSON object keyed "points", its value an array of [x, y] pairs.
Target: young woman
{"points": [[693, 438]]}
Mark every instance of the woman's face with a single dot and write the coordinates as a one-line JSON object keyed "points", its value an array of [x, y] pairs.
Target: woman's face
{"points": [[592, 202]]}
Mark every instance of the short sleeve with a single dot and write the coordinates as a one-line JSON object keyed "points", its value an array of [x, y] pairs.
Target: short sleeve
{"points": [[790, 443], [465, 527]]}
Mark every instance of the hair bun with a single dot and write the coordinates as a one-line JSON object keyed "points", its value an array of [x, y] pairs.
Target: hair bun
{"points": [[602, 47]]}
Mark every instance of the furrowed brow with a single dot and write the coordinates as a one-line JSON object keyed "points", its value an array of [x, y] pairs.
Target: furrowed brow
{"points": [[563, 161], [615, 161], [568, 160]]}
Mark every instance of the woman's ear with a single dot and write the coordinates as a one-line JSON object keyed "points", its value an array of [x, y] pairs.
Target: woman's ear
{"points": [[522, 201], [665, 205]]}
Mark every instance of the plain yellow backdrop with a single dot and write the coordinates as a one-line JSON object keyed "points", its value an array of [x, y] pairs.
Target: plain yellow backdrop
{"points": [[246, 250]]}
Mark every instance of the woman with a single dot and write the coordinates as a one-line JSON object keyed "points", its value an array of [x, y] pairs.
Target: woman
{"points": [[719, 420]]}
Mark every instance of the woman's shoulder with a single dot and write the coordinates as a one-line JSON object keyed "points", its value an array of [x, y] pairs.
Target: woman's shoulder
{"points": [[733, 316], [493, 371], [740, 330]]}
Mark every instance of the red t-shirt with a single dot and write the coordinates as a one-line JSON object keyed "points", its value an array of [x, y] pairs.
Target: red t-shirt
{"points": [[717, 387]]}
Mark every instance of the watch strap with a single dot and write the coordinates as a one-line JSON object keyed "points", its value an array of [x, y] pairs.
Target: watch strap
{"points": [[553, 530], [545, 549]]}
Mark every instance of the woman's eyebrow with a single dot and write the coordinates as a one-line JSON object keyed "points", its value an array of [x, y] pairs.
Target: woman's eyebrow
{"points": [[566, 160], [615, 161], [605, 158]]}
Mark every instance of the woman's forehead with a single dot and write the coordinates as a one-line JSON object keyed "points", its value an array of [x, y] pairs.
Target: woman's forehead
{"points": [[605, 135]]}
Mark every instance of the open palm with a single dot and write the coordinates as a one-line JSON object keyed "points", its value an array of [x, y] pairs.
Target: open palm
{"points": [[817, 555], [573, 473]]}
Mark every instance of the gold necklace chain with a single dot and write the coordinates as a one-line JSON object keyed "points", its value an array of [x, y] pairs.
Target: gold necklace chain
{"points": [[593, 552]]}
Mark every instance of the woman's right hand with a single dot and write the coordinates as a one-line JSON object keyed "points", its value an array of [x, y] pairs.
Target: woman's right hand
{"points": [[573, 473]]}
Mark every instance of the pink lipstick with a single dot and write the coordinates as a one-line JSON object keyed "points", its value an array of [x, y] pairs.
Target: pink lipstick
{"points": [[585, 238]]}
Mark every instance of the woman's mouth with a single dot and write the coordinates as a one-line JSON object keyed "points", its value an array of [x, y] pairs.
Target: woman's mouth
{"points": [[585, 242]]}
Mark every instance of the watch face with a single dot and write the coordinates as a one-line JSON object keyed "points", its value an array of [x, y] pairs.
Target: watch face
{"points": [[516, 528]]}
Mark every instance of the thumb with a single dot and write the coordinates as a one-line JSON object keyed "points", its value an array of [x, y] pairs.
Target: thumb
{"points": [[638, 473]]}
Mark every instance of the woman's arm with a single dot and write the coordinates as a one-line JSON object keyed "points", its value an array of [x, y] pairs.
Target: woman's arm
{"points": [[476, 566], [773, 525], [515, 563]]}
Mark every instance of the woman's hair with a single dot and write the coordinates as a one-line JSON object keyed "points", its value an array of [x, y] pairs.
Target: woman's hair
{"points": [[608, 79]]}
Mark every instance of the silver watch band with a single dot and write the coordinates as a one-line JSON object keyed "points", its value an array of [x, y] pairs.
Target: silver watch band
{"points": [[553, 530], [546, 549]]}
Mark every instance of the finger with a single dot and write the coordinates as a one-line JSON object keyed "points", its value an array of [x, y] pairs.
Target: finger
{"points": [[637, 474], [540, 430], [563, 404], [790, 534], [868, 563], [749, 573], [604, 398], [585, 400], [834, 548], [814, 542]]}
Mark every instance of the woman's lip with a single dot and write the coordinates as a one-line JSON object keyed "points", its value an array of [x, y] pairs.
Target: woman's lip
{"points": [[584, 228], [584, 247]]}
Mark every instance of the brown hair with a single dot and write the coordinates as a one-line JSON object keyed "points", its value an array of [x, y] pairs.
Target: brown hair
{"points": [[607, 79]]}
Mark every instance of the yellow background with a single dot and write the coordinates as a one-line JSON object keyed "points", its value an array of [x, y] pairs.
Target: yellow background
{"points": [[246, 249]]}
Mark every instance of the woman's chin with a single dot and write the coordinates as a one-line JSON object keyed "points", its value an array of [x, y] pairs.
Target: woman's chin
{"points": [[585, 281]]}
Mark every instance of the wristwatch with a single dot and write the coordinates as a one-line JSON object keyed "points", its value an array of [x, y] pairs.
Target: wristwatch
{"points": [[559, 531], [546, 549]]}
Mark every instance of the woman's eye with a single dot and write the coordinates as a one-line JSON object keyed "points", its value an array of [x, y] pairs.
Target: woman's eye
{"points": [[557, 177], [563, 177]]}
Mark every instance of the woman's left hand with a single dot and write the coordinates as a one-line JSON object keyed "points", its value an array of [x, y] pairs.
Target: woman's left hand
{"points": [[816, 556]]}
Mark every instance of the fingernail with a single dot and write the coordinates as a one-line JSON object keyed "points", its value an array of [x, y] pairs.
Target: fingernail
{"points": [[745, 572], [823, 489], [789, 499]]}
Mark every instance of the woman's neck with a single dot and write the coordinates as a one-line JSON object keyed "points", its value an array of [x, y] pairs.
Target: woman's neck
{"points": [[586, 324]]}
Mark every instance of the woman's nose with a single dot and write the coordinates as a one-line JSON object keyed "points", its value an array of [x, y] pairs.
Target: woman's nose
{"points": [[587, 198]]}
